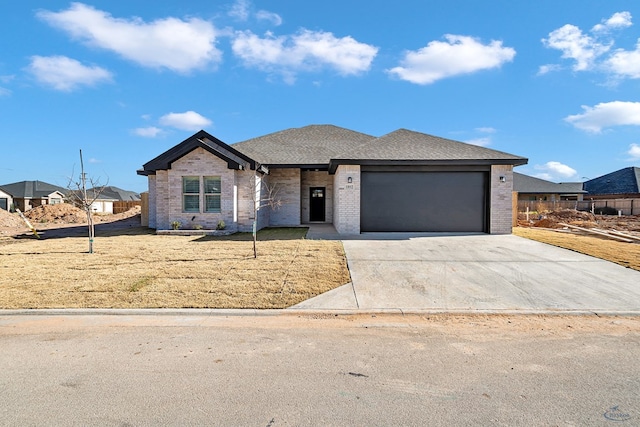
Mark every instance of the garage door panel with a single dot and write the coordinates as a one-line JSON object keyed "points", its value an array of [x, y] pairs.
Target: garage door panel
{"points": [[423, 201]]}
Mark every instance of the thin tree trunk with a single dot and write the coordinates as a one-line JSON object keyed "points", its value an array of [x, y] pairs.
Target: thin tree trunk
{"points": [[86, 204]]}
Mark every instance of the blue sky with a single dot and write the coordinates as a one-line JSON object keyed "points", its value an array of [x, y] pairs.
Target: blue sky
{"points": [[554, 81]]}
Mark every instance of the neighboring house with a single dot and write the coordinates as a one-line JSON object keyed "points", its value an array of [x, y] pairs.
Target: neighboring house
{"points": [[104, 198], [623, 183], [536, 189], [115, 193], [402, 181], [6, 200], [30, 194]]}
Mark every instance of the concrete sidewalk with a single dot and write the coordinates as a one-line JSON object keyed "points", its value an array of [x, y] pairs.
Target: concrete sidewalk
{"points": [[477, 273]]}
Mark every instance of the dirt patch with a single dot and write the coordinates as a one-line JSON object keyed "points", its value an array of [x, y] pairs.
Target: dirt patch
{"points": [[626, 224], [625, 254], [10, 221]]}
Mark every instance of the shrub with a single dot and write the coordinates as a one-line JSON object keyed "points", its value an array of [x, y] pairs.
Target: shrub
{"points": [[175, 225], [221, 225]]}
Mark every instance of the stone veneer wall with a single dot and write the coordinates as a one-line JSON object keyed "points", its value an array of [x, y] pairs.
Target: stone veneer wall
{"points": [[346, 199], [501, 217], [287, 182], [316, 179]]}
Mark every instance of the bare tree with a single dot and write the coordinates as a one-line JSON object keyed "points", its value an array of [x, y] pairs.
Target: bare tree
{"points": [[85, 199], [262, 195]]}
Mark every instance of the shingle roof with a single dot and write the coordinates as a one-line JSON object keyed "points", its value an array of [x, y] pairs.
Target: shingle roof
{"points": [[528, 184], [623, 181], [115, 193], [308, 145], [328, 146], [31, 189], [404, 144]]}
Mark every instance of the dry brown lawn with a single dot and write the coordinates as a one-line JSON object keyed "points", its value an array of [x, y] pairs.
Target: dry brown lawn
{"points": [[625, 254], [138, 269]]}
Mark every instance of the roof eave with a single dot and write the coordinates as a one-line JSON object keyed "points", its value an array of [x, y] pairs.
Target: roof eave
{"points": [[334, 163]]}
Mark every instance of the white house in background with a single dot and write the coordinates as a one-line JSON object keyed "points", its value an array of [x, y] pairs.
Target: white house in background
{"points": [[402, 181], [6, 200]]}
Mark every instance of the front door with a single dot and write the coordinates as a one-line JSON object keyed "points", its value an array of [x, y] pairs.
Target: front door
{"points": [[317, 204]]}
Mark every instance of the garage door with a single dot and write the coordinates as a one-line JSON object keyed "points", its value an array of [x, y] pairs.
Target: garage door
{"points": [[424, 201]]}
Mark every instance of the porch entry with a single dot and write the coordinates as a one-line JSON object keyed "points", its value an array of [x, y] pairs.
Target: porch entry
{"points": [[317, 204]]}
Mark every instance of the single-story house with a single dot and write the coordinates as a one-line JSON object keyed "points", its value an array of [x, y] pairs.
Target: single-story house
{"points": [[623, 183], [27, 195], [402, 181], [107, 196], [530, 188], [115, 193]]}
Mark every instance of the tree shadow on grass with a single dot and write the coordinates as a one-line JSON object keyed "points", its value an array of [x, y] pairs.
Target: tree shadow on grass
{"points": [[128, 226], [266, 234]]}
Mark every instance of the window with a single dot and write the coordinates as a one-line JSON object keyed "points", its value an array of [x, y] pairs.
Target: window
{"points": [[193, 195], [55, 201], [190, 194], [212, 194]]}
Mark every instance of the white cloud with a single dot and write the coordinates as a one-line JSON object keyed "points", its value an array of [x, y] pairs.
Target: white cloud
{"points": [[455, 56], [171, 43], [606, 114], [555, 169], [482, 142], [486, 130], [240, 10], [634, 152], [274, 18], [586, 49], [544, 175], [66, 74], [148, 132], [307, 50], [574, 44], [617, 20], [4, 92], [94, 160], [189, 120], [548, 68], [625, 63]]}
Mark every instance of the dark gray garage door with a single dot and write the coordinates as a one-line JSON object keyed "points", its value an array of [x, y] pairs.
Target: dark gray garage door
{"points": [[424, 201]]}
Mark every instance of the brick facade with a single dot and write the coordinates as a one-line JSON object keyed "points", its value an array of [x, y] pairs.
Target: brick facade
{"points": [[342, 196], [166, 193], [287, 184], [316, 179], [346, 199], [500, 195]]}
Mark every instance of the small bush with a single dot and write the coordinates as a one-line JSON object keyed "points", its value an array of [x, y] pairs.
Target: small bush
{"points": [[175, 225], [221, 225]]}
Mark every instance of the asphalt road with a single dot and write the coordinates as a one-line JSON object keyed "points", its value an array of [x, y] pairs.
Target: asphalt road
{"points": [[319, 369]]}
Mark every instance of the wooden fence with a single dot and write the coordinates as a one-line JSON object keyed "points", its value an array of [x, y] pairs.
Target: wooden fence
{"points": [[119, 207], [624, 206]]}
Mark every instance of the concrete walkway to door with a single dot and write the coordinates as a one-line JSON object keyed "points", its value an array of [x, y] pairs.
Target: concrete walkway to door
{"points": [[477, 273]]}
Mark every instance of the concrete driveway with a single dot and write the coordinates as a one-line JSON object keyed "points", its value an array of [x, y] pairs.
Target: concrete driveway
{"points": [[492, 273]]}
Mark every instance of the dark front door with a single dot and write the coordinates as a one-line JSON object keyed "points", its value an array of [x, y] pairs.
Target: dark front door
{"points": [[317, 204]]}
